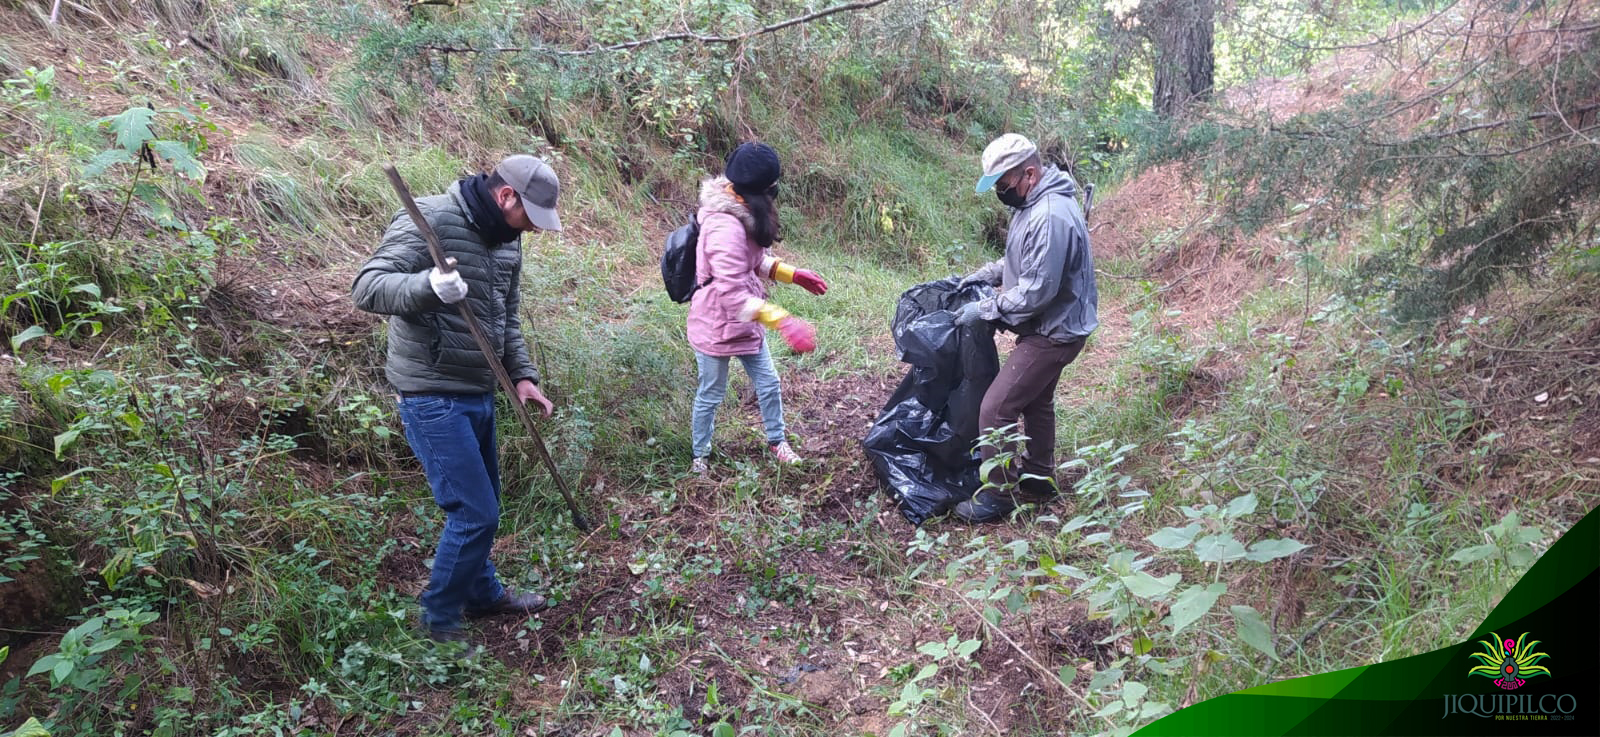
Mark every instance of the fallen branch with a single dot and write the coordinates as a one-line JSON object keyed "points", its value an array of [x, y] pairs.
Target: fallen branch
{"points": [[992, 627], [682, 36]]}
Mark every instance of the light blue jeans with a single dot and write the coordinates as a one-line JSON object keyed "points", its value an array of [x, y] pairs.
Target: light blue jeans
{"points": [[714, 386]]}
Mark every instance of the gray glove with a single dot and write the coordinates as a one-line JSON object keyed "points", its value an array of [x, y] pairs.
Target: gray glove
{"points": [[988, 274], [967, 315]]}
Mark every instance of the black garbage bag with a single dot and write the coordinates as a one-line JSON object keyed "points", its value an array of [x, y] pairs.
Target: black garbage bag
{"points": [[921, 444]]}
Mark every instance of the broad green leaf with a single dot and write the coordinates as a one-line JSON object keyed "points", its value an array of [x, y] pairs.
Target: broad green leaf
{"points": [[104, 645], [1521, 556], [644, 663], [928, 671], [43, 665], [1143, 645], [910, 694], [31, 728], [1253, 630], [1240, 506], [1077, 523], [968, 647], [1109, 709], [105, 160], [132, 127], [1266, 550], [177, 154], [899, 730], [65, 440], [1193, 604], [1147, 586], [1104, 678], [90, 288], [1153, 709], [1173, 538], [1133, 692], [1066, 674], [723, 729], [933, 649], [1218, 549], [18, 340], [62, 671], [1526, 535], [160, 208], [132, 420]]}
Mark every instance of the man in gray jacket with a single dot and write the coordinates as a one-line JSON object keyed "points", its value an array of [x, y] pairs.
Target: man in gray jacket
{"points": [[444, 380], [1048, 299]]}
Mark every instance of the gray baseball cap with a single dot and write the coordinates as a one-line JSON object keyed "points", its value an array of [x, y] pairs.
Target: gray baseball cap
{"points": [[536, 182]]}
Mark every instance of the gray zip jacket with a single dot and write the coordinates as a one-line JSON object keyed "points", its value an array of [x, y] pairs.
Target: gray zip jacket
{"points": [[430, 348], [1047, 272]]}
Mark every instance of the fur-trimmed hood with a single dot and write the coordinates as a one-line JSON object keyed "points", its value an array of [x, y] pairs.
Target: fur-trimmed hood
{"points": [[716, 195]]}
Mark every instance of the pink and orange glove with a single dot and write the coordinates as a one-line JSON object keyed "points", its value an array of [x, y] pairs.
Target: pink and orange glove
{"points": [[808, 280], [798, 333], [801, 337], [804, 278]]}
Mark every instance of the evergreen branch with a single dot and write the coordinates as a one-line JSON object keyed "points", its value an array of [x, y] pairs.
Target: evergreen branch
{"points": [[1458, 153], [1484, 126], [1382, 41], [663, 38]]}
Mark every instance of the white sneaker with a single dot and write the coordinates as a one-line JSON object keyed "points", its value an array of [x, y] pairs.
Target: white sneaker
{"points": [[785, 453], [699, 467]]}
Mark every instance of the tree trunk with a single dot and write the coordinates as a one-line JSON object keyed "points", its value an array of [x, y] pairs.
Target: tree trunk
{"points": [[1184, 66]]}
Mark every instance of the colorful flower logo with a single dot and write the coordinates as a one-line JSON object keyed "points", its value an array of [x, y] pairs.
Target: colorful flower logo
{"points": [[1511, 663]]}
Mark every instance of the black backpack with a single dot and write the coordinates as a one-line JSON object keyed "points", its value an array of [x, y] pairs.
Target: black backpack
{"points": [[678, 262]]}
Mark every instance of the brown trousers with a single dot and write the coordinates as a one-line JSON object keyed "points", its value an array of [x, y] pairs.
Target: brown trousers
{"points": [[1026, 388]]}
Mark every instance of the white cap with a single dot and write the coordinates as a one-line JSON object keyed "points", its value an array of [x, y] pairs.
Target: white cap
{"points": [[1002, 155]]}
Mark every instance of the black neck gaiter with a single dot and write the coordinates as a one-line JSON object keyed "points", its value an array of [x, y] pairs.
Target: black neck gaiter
{"points": [[486, 214]]}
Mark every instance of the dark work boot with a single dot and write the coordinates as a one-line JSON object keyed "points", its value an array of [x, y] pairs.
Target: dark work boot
{"points": [[512, 603], [1036, 491], [985, 507], [991, 505]]}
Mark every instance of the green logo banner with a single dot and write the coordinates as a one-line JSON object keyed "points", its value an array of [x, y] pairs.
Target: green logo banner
{"points": [[1531, 668]]}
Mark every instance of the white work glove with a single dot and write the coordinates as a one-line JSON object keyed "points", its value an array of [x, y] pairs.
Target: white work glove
{"points": [[450, 287]]}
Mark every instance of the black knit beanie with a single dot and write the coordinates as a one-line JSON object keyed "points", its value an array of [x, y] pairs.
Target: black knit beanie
{"points": [[752, 168]]}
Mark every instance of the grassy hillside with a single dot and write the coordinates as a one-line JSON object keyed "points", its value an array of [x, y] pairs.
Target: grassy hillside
{"points": [[210, 523]]}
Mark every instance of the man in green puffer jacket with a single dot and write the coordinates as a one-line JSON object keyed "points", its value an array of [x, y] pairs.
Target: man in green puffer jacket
{"points": [[444, 380]]}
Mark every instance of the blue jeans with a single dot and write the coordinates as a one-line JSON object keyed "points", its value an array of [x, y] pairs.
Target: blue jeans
{"points": [[453, 436], [714, 386]]}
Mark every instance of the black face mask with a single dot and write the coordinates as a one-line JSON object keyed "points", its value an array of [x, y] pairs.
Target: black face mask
{"points": [[1009, 197]]}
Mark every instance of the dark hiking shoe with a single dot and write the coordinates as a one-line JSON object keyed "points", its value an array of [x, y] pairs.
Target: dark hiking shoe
{"points": [[512, 603]]}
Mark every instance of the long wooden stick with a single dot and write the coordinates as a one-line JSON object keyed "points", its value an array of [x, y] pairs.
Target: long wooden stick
{"points": [[447, 265]]}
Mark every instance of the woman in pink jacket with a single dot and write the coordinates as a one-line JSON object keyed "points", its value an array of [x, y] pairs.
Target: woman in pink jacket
{"points": [[738, 223]]}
